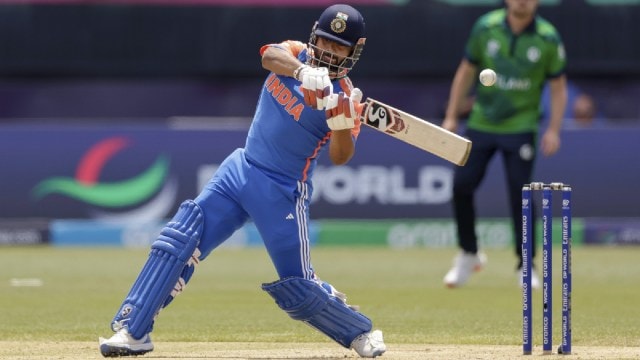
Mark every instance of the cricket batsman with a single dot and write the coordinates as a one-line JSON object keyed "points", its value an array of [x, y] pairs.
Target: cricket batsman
{"points": [[307, 106]]}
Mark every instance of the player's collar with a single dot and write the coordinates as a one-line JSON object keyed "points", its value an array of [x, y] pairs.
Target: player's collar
{"points": [[531, 28]]}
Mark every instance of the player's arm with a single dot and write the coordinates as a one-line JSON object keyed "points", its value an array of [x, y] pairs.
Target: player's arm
{"points": [[341, 146], [461, 86], [558, 94], [280, 60]]}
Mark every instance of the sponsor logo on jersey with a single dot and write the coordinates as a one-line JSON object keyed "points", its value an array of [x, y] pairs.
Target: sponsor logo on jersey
{"points": [[510, 83]]}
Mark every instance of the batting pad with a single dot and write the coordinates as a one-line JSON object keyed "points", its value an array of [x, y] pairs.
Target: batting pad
{"points": [[169, 260], [307, 301]]}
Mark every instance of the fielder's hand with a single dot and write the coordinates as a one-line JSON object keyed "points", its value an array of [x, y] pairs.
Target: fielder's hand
{"points": [[316, 86], [342, 111]]}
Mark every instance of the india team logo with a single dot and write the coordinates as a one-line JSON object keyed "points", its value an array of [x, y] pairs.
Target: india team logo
{"points": [[339, 24], [147, 196]]}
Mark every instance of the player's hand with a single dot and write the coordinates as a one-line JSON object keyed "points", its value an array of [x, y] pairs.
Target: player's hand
{"points": [[450, 124], [550, 143], [342, 111], [316, 86]]}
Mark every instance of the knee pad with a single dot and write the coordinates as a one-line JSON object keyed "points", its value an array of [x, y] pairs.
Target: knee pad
{"points": [[308, 301], [169, 267]]}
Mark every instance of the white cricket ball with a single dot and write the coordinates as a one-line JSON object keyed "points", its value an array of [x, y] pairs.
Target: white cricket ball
{"points": [[488, 77]]}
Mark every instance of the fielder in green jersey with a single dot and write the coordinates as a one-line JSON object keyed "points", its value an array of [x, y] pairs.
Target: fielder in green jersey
{"points": [[525, 51]]}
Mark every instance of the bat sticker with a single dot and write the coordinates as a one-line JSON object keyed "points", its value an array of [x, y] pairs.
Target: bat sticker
{"points": [[382, 118]]}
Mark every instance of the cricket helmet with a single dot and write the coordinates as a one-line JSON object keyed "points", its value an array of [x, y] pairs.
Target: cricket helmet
{"points": [[344, 25]]}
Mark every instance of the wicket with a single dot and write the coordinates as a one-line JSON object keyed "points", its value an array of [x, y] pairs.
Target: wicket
{"points": [[547, 265]]}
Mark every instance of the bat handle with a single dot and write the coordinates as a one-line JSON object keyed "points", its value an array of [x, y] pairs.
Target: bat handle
{"points": [[359, 108]]}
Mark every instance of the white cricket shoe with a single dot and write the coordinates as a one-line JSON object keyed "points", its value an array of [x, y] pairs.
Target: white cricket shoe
{"points": [[464, 264], [369, 344], [123, 344], [535, 279]]}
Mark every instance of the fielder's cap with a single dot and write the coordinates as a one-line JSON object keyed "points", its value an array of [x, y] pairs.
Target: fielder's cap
{"points": [[342, 24]]}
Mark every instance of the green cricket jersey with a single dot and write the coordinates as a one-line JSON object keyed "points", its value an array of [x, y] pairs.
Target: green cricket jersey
{"points": [[522, 62]]}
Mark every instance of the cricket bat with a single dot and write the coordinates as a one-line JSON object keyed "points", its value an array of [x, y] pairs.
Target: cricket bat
{"points": [[415, 131]]}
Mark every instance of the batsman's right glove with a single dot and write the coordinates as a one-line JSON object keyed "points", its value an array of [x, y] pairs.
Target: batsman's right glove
{"points": [[342, 111]]}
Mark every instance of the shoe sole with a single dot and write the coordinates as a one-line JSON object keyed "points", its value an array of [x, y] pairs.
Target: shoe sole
{"points": [[116, 351], [378, 353]]}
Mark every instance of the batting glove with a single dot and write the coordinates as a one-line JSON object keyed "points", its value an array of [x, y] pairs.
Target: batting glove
{"points": [[316, 86], [342, 111]]}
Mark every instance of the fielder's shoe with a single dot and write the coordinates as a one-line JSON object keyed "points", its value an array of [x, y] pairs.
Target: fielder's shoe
{"points": [[123, 344], [369, 344], [464, 264], [535, 279]]}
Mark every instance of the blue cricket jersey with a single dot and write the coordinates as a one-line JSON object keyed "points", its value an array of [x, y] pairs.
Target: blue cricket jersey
{"points": [[286, 136]]}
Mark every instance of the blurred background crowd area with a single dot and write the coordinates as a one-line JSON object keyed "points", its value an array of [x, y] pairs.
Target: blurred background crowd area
{"points": [[113, 111], [153, 59]]}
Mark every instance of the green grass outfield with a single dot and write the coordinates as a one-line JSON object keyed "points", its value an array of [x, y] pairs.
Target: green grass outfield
{"points": [[400, 290]]}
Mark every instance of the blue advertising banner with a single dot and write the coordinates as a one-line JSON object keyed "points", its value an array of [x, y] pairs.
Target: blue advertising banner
{"points": [[608, 231], [121, 172], [110, 172], [389, 179]]}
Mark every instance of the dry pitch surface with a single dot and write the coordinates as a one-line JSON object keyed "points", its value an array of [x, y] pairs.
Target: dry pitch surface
{"points": [[199, 350]]}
